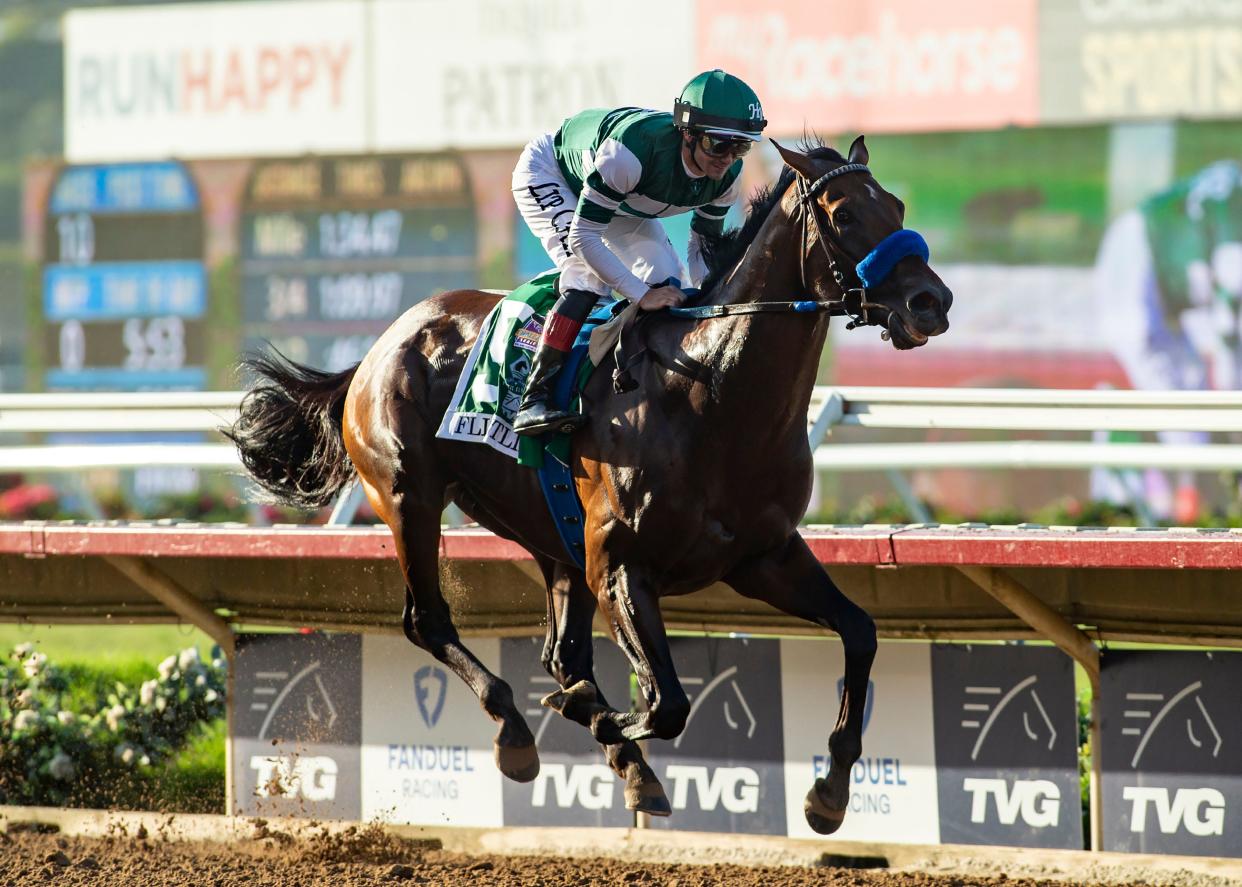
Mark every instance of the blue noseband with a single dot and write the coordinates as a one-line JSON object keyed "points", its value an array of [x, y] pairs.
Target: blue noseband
{"points": [[892, 249]]}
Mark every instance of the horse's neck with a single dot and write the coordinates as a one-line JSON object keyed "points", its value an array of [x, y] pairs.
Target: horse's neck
{"points": [[764, 363]]}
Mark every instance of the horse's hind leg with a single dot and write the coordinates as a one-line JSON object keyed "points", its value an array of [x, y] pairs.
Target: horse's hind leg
{"points": [[569, 658], [792, 580], [428, 623]]}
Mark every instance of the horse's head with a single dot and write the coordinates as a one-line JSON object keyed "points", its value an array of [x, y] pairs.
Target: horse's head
{"points": [[855, 249]]}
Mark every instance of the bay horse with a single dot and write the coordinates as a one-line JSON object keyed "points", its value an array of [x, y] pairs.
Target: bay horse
{"points": [[699, 475]]}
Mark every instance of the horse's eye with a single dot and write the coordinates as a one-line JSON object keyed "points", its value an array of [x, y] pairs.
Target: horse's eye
{"points": [[842, 217]]}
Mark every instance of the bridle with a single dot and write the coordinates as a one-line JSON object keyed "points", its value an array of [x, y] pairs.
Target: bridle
{"points": [[853, 303], [853, 300], [870, 272]]}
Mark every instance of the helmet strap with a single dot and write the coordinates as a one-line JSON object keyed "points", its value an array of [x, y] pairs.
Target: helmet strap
{"points": [[694, 147]]}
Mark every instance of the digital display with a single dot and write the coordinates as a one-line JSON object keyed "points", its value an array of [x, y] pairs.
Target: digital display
{"points": [[334, 249], [124, 286]]}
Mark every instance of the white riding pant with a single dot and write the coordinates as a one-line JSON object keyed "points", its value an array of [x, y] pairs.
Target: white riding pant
{"points": [[547, 205]]}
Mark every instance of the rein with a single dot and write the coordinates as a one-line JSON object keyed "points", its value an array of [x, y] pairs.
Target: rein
{"points": [[853, 302]]}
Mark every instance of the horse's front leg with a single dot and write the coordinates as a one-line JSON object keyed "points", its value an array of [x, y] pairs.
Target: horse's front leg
{"points": [[792, 580], [568, 657], [629, 599]]}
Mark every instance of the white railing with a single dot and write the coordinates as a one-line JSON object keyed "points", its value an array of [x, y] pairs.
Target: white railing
{"points": [[116, 413], [969, 409], [1023, 410]]}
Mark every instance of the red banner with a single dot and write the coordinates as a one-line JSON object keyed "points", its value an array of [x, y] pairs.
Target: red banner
{"points": [[887, 65]]}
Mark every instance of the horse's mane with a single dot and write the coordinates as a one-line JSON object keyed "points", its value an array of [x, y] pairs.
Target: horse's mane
{"points": [[722, 253]]}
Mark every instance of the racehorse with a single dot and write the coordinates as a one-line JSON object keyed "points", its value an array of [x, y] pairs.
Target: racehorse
{"points": [[699, 475]]}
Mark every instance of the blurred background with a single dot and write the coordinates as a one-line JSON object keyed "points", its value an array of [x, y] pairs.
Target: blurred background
{"points": [[180, 183]]}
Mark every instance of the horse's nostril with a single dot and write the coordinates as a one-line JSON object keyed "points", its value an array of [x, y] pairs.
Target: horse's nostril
{"points": [[923, 303]]}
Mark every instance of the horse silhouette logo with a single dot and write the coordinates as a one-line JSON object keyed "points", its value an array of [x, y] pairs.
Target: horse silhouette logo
{"points": [[430, 683], [867, 707], [984, 705], [1150, 710]]}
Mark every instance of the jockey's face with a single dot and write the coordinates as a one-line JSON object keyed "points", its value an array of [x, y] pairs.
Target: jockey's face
{"points": [[701, 162]]}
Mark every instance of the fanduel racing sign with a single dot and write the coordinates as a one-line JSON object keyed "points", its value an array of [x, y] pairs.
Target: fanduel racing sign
{"points": [[893, 784], [205, 80], [427, 745], [1006, 745], [1171, 725]]}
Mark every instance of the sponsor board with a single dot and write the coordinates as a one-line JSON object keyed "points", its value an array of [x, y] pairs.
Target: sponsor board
{"points": [[124, 283], [205, 80], [1006, 745], [893, 795], [888, 66], [334, 249], [525, 67], [1096, 59], [426, 743], [297, 725], [575, 785], [1171, 725], [724, 772]]}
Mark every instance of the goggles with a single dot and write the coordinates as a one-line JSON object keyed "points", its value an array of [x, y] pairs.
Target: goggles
{"points": [[723, 146]]}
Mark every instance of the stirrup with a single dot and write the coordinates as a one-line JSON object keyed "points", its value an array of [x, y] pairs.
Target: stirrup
{"points": [[552, 422]]}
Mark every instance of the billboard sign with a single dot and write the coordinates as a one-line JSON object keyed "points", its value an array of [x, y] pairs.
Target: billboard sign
{"points": [[212, 80], [334, 249], [891, 66], [426, 744], [575, 785], [297, 725], [893, 784], [725, 772], [524, 67], [124, 286], [1006, 746], [1170, 725], [1096, 60]]}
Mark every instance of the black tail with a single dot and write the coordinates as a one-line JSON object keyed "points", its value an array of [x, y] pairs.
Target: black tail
{"points": [[289, 431]]}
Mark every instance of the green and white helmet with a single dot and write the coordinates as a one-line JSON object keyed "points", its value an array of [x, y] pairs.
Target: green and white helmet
{"points": [[720, 104]]}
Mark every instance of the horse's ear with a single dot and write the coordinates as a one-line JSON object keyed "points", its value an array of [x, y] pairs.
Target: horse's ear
{"points": [[858, 151], [797, 161]]}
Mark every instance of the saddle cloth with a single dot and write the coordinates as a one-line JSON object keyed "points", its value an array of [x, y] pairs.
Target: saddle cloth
{"points": [[490, 388]]}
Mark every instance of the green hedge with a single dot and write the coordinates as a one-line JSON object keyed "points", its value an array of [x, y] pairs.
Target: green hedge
{"points": [[80, 736]]}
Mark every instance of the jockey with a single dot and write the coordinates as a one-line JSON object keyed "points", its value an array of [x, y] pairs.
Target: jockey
{"points": [[592, 192]]}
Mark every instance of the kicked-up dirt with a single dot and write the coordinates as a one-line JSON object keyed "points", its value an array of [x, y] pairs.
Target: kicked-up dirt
{"points": [[370, 856]]}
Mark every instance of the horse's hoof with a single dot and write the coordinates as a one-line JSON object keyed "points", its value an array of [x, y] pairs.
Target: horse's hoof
{"points": [[578, 703], [521, 764], [822, 819], [648, 798]]}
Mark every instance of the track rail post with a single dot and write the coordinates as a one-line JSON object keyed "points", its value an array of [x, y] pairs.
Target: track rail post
{"points": [[1023, 603]]}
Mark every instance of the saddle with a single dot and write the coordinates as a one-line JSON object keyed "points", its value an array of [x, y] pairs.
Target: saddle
{"points": [[626, 336]]}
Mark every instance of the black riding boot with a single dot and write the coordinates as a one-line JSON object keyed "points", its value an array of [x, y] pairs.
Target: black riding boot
{"points": [[536, 414]]}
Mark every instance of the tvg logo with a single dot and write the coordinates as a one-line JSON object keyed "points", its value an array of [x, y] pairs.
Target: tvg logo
{"points": [[1038, 801], [1201, 811]]}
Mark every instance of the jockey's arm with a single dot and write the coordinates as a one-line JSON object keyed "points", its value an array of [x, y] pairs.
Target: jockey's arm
{"points": [[708, 223], [616, 174]]}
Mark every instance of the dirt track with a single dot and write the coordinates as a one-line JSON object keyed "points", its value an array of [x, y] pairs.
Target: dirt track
{"points": [[370, 856]]}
